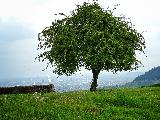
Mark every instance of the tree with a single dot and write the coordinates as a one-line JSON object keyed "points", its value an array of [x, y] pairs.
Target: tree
{"points": [[93, 38]]}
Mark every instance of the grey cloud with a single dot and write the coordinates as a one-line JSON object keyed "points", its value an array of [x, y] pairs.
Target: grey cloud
{"points": [[13, 29]]}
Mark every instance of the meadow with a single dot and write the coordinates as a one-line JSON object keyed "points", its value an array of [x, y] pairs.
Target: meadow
{"points": [[111, 104]]}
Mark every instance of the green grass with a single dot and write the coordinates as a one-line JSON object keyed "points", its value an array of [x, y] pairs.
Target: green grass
{"points": [[112, 104]]}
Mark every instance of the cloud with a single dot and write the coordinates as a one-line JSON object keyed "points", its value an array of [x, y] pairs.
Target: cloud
{"points": [[13, 29], [17, 59]]}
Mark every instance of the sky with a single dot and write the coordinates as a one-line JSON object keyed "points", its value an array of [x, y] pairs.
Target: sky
{"points": [[22, 20]]}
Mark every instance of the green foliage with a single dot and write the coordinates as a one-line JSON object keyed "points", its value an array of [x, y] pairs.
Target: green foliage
{"points": [[93, 38], [111, 104]]}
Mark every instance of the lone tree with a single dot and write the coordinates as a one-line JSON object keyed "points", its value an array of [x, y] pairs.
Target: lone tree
{"points": [[93, 38]]}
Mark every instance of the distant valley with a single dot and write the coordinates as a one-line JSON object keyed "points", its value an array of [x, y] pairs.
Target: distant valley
{"points": [[82, 81], [74, 82]]}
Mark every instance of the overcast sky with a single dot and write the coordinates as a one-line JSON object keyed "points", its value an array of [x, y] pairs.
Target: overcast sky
{"points": [[22, 20]]}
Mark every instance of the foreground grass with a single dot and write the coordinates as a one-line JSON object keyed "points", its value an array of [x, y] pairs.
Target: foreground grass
{"points": [[112, 104]]}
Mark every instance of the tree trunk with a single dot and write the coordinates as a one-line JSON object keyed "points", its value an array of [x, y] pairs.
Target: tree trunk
{"points": [[94, 80]]}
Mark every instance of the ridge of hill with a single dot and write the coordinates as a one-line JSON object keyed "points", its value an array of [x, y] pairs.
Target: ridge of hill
{"points": [[150, 77]]}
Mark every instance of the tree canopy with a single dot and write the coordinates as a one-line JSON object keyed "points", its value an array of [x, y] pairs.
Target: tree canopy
{"points": [[91, 37]]}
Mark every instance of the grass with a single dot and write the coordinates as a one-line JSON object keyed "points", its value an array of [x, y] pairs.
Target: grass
{"points": [[111, 104]]}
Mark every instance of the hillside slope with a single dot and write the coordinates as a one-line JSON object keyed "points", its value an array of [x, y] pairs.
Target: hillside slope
{"points": [[112, 104], [148, 78]]}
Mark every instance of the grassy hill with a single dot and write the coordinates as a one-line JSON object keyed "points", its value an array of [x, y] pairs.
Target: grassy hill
{"points": [[111, 104]]}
